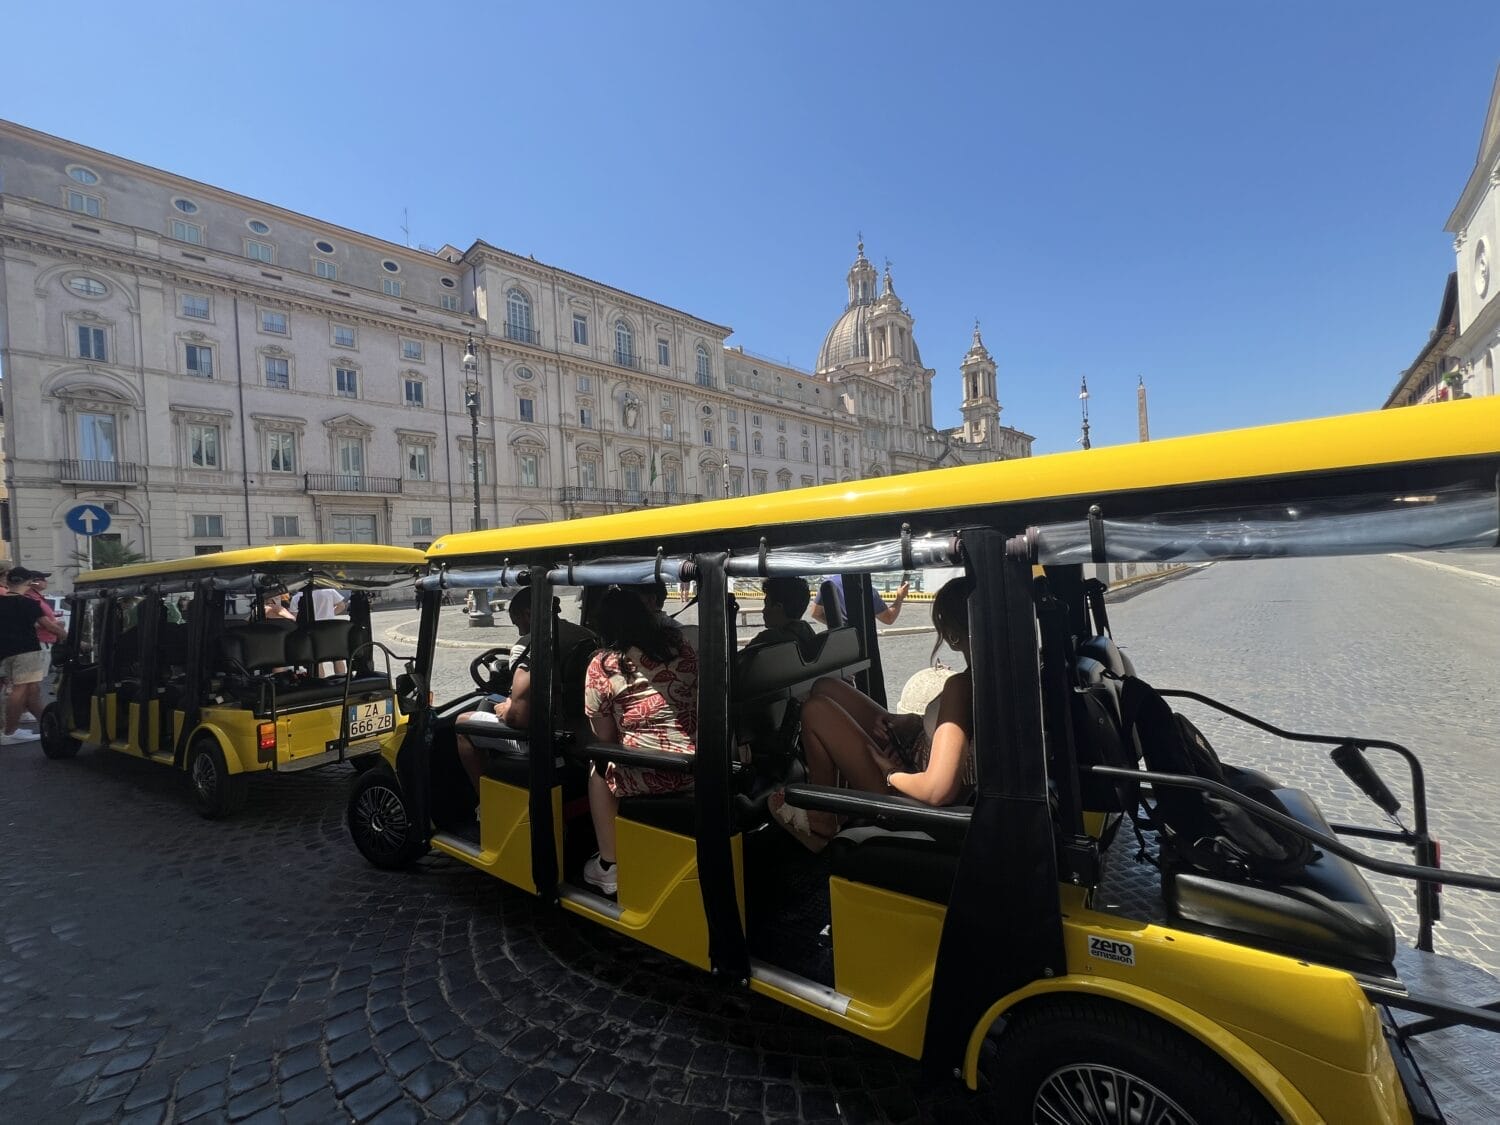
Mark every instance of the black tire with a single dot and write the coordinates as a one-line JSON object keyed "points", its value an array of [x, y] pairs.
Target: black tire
{"points": [[1107, 1063], [217, 793], [381, 822], [56, 741]]}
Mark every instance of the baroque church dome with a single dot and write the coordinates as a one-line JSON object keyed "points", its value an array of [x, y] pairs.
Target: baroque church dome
{"points": [[848, 341]]}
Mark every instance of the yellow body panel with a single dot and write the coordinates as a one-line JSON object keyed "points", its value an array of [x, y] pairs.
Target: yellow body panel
{"points": [[1417, 434], [505, 833], [660, 899], [1304, 1035]]}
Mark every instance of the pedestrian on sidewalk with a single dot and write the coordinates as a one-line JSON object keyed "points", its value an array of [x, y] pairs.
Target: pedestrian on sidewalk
{"points": [[22, 661], [886, 614]]}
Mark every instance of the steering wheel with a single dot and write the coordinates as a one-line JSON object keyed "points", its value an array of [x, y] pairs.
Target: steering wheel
{"points": [[486, 676]]}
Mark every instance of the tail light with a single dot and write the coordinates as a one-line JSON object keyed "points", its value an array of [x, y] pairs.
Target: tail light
{"points": [[266, 736]]}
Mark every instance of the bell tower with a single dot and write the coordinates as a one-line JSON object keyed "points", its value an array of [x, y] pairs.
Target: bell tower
{"points": [[981, 404]]}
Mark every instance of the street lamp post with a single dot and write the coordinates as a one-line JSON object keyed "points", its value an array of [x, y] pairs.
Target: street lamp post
{"points": [[726, 476], [1083, 402], [481, 615]]}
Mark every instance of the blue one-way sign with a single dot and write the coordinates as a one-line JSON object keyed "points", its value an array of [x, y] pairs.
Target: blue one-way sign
{"points": [[87, 519]]}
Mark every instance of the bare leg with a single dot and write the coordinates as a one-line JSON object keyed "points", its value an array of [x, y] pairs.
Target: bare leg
{"points": [[859, 706], [836, 744], [604, 807], [470, 757], [23, 697]]}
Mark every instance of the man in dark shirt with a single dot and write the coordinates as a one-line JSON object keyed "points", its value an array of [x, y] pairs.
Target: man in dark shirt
{"points": [[786, 602], [22, 661]]}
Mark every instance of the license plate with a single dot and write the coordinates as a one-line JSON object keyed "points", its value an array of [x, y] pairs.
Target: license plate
{"points": [[371, 718]]}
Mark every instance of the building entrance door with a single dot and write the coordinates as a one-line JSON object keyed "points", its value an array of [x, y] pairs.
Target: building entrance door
{"points": [[351, 528]]}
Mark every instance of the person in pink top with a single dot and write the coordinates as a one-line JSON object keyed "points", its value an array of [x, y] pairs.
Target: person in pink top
{"points": [[640, 691]]}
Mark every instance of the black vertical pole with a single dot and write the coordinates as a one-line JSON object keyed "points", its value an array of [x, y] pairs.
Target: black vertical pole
{"points": [[543, 742]]}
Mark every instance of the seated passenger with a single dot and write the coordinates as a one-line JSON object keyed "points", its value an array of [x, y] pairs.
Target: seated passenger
{"points": [[653, 596], [514, 709], [929, 757], [641, 692], [786, 602]]}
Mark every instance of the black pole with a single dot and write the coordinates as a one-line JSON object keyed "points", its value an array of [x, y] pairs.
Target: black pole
{"points": [[482, 615]]}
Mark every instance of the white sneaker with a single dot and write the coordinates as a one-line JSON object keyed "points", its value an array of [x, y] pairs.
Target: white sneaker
{"points": [[604, 879], [18, 737]]}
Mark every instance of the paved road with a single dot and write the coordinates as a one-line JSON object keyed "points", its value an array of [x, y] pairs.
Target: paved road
{"points": [[157, 967]]}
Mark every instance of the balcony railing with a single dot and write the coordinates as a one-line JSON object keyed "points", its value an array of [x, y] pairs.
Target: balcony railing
{"points": [[624, 497], [627, 359], [74, 471], [350, 482], [522, 332]]}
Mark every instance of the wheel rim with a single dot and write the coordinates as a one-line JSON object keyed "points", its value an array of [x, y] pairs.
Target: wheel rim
{"points": [[1103, 1095], [380, 821], [205, 776]]}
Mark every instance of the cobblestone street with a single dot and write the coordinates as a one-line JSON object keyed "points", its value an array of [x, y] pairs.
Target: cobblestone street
{"points": [[157, 967]]}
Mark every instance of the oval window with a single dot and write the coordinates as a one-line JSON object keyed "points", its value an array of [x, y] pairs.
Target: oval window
{"points": [[186, 206], [257, 226], [87, 287], [390, 266], [83, 175], [448, 283], [324, 246]]}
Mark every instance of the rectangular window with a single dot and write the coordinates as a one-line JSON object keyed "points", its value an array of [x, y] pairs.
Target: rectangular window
{"points": [[286, 527], [207, 549], [346, 382], [200, 361], [755, 419], [391, 286], [196, 307], [526, 409], [203, 447], [325, 269], [734, 415], [187, 232], [781, 425], [585, 417], [588, 474], [528, 470], [259, 251], [632, 478], [708, 436], [484, 467], [281, 452], [663, 353], [349, 454], [343, 336], [580, 329], [273, 322], [416, 462], [208, 527], [666, 431], [411, 349], [85, 204], [421, 525], [91, 343], [413, 392], [585, 384], [804, 430], [278, 372], [96, 437], [449, 301]]}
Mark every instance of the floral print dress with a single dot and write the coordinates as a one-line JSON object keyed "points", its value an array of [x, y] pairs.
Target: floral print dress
{"points": [[654, 707]]}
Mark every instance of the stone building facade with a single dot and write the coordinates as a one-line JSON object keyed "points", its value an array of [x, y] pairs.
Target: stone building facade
{"points": [[220, 372], [1475, 226]]}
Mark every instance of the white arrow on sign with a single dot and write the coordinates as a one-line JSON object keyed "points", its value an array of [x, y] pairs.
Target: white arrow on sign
{"points": [[88, 517]]}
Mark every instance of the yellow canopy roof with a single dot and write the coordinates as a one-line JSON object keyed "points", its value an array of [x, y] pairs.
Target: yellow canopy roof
{"points": [[290, 558]]}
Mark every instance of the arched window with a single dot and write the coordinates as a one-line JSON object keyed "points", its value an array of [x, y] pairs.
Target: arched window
{"points": [[705, 375], [518, 317], [624, 344]]}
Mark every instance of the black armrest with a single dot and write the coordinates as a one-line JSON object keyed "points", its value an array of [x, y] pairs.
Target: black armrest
{"points": [[646, 759], [886, 810]]}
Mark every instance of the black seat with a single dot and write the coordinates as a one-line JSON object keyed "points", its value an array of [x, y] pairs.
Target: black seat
{"points": [[256, 647], [1327, 913]]}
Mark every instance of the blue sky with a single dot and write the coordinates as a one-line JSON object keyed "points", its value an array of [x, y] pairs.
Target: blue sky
{"points": [[1242, 203]]}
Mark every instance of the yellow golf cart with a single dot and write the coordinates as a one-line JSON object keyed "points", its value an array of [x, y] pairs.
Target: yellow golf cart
{"points": [[1258, 977], [184, 663]]}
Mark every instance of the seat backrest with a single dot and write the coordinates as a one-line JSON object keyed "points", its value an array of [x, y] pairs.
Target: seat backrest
{"points": [[1107, 653], [330, 640], [1100, 738], [258, 646]]}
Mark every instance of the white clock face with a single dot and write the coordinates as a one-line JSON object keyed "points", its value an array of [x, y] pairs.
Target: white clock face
{"points": [[1481, 269]]}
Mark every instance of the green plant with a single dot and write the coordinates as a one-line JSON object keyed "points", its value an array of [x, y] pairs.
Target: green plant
{"points": [[108, 553]]}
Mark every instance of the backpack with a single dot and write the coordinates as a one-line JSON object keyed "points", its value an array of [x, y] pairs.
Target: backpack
{"points": [[1205, 831]]}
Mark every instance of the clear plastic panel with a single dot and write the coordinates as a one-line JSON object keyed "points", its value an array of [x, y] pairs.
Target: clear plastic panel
{"points": [[1344, 526]]}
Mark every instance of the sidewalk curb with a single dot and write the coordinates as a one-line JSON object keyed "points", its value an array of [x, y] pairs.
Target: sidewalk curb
{"points": [[1132, 587], [1488, 579]]}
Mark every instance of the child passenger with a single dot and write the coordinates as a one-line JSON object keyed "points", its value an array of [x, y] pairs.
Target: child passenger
{"points": [[928, 757]]}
